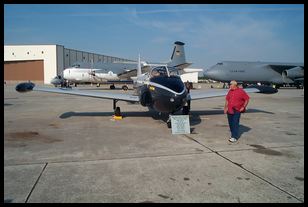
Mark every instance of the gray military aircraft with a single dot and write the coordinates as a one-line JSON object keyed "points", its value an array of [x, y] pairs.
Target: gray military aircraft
{"points": [[160, 89], [272, 73]]}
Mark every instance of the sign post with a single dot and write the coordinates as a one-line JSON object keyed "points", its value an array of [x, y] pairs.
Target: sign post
{"points": [[180, 124]]}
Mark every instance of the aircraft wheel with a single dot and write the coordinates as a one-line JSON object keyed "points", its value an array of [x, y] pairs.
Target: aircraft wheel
{"points": [[117, 111], [112, 87], [125, 88], [185, 110]]}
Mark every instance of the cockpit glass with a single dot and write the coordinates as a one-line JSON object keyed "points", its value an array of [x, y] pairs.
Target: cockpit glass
{"points": [[76, 66], [173, 71], [159, 71]]}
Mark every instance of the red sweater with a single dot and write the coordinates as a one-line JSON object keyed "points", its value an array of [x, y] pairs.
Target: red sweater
{"points": [[236, 99]]}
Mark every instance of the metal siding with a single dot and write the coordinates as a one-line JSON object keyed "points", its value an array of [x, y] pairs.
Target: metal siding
{"points": [[72, 57], [79, 56], [109, 59], [60, 63], [95, 58], [66, 58], [85, 57], [91, 57]]}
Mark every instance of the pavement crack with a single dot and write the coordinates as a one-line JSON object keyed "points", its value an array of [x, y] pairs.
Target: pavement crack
{"points": [[36, 182], [241, 166]]}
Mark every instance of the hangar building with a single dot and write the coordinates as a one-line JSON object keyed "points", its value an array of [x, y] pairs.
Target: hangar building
{"points": [[41, 63]]}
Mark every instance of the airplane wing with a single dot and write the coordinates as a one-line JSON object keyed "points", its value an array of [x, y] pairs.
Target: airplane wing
{"points": [[25, 87], [131, 73], [195, 95], [280, 68]]}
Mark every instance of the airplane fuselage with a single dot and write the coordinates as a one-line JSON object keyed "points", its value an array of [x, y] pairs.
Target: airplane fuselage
{"points": [[166, 93], [251, 72], [80, 75]]}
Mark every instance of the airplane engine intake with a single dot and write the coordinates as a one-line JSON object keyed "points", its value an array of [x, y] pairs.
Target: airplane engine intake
{"points": [[292, 73], [146, 98]]}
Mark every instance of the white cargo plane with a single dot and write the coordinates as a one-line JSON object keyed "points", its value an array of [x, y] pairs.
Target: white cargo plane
{"points": [[116, 71], [160, 89]]}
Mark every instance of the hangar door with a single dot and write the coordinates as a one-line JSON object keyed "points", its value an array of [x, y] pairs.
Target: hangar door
{"points": [[24, 70]]}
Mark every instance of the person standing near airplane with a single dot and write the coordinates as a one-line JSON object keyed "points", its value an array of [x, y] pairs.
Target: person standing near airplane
{"points": [[236, 103], [188, 87]]}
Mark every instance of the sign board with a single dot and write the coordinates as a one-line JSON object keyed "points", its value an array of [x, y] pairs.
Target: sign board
{"points": [[180, 124]]}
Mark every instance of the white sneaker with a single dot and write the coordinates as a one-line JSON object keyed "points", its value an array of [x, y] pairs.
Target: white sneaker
{"points": [[232, 139]]}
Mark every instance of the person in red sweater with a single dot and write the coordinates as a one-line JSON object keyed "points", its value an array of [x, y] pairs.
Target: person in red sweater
{"points": [[236, 103]]}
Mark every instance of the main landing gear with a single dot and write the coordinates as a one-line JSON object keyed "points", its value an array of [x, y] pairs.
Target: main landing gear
{"points": [[125, 87], [117, 111], [112, 86], [169, 121]]}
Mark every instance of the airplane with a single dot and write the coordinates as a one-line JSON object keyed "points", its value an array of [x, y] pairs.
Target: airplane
{"points": [[161, 89], [115, 71], [270, 73]]}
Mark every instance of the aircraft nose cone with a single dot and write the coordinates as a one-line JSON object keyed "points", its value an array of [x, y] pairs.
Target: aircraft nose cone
{"points": [[209, 73]]}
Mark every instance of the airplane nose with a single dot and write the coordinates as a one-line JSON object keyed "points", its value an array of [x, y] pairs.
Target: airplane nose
{"points": [[209, 74]]}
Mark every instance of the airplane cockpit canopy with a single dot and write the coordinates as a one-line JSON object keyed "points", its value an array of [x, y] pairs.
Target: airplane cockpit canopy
{"points": [[76, 66], [163, 71], [159, 71]]}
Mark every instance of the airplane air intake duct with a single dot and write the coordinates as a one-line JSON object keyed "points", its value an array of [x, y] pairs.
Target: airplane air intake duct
{"points": [[146, 98], [25, 87]]}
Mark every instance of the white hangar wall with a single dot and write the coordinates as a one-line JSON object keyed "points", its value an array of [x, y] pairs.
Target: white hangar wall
{"points": [[55, 59]]}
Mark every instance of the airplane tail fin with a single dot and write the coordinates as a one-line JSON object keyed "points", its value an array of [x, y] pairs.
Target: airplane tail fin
{"points": [[178, 58]]}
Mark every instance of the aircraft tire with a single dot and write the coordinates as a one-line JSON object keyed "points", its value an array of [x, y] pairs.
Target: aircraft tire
{"points": [[117, 111], [112, 87], [125, 88], [185, 110]]}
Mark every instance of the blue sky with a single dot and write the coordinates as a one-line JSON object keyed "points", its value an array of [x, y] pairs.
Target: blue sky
{"points": [[211, 33]]}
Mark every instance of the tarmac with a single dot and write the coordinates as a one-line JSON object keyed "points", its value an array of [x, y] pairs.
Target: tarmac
{"points": [[62, 149]]}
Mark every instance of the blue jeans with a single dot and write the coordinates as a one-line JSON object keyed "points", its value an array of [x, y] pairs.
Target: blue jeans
{"points": [[234, 123]]}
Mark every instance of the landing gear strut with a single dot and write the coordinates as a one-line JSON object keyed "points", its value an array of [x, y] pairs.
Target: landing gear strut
{"points": [[117, 110], [169, 121], [186, 109]]}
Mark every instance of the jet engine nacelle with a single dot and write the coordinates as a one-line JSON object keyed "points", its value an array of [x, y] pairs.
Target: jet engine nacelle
{"points": [[24, 87], [293, 73], [145, 97]]}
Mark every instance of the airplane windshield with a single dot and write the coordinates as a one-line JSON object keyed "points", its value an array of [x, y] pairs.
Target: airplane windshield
{"points": [[159, 71], [173, 71], [76, 66]]}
